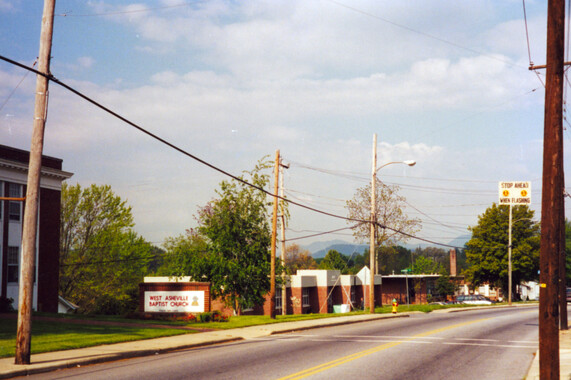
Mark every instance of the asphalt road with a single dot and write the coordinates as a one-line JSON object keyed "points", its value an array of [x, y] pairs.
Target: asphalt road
{"points": [[482, 344]]}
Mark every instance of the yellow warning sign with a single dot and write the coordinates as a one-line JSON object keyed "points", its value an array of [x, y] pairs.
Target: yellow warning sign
{"points": [[515, 193]]}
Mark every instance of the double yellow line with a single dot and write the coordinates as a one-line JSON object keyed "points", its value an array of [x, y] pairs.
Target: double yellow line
{"points": [[345, 359]]}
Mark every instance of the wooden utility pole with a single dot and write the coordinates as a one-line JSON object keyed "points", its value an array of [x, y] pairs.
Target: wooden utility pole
{"points": [[283, 245], [563, 320], [552, 195], [29, 232], [372, 242], [274, 235], [510, 256]]}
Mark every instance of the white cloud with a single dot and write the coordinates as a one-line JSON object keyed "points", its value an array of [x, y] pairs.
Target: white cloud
{"points": [[230, 82], [8, 5], [85, 62]]}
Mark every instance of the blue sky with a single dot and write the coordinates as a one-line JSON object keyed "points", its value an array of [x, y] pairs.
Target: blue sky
{"points": [[447, 85]]}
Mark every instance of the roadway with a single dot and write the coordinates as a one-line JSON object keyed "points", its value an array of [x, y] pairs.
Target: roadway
{"points": [[496, 343]]}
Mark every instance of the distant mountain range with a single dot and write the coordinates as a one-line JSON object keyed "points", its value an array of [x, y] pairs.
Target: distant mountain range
{"points": [[344, 248], [319, 249]]}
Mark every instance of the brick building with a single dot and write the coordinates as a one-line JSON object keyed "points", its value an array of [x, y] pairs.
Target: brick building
{"points": [[13, 179], [310, 292]]}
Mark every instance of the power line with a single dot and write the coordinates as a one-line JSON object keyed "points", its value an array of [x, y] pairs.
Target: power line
{"points": [[169, 144], [190, 155], [15, 88], [368, 14], [324, 233]]}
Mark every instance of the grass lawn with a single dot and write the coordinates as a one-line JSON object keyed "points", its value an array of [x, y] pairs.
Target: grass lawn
{"points": [[50, 336], [56, 335]]}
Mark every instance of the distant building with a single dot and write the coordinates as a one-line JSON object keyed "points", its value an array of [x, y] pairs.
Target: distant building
{"points": [[13, 179], [310, 291]]}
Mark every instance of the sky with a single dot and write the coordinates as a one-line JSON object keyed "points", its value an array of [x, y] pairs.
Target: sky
{"points": [[445, 84]]}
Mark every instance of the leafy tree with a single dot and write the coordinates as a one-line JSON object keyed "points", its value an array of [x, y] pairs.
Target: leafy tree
{"points": [[296, 258], [102, 260], [390, 215], [444, 287], [158, 257], [425, 265], [334, 260], [185, 255], [438, 255], [487, 250], [393, 259], [231, 246], [357, 261]]}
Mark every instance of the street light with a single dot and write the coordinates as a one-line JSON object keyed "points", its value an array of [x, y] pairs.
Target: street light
{"points": [[373, 221]]}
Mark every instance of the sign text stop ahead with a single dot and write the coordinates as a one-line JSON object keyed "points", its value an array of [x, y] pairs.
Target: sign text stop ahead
{"points": [[515, 193]]}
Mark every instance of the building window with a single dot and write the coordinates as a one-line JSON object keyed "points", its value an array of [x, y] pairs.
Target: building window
{"points": [[278, 298], [305, 297], [15, 208], [353, 298], [13, 263]]}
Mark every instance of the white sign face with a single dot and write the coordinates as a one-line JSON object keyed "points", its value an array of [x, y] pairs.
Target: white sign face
{"points": [[174, 302], [515, 193]]}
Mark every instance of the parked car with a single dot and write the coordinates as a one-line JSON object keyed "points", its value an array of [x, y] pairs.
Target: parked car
{"points": [[568, 294], [474, 299]]}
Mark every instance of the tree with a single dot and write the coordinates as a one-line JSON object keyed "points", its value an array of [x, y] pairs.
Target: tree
{"points": [[425, 265], [390, 206], [296, 258], [393, 259], [237, 233], [334, 260], [444, 286], [102, 261], [185, 255], [487, 250], [438, 255], [357, 261]]}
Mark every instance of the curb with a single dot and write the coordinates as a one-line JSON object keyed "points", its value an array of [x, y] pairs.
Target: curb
{"points": [[33, 369], [97, 357]]}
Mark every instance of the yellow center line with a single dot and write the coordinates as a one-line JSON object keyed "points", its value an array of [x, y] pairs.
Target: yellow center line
{"points": [[357, 355]]}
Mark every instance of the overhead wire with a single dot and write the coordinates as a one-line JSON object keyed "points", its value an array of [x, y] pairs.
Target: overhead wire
{"points": [[429, 217], [51, 78], [450, 226], [368, 14], [529, 46], [15, 88], [324, 233]]}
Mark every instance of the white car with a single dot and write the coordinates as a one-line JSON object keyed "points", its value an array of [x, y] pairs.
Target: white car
{"points": [[474, 299]]}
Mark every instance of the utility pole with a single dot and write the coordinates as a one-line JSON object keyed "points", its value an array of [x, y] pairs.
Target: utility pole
{"points": [[274, 234], [372, 263], [510, 257], [283, 247], [563, 321], [29, 232], [552, 195]]}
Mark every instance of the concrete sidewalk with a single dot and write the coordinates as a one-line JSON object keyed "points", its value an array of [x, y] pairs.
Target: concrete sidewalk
{"points": [[52, 361], [564, 358]]}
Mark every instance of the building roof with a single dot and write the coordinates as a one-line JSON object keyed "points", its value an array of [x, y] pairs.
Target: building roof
{"points": [[14, 164], [23, 157]]}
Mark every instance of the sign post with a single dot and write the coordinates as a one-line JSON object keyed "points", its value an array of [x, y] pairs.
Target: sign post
{"points": [[513, 193], [406, 272]]}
